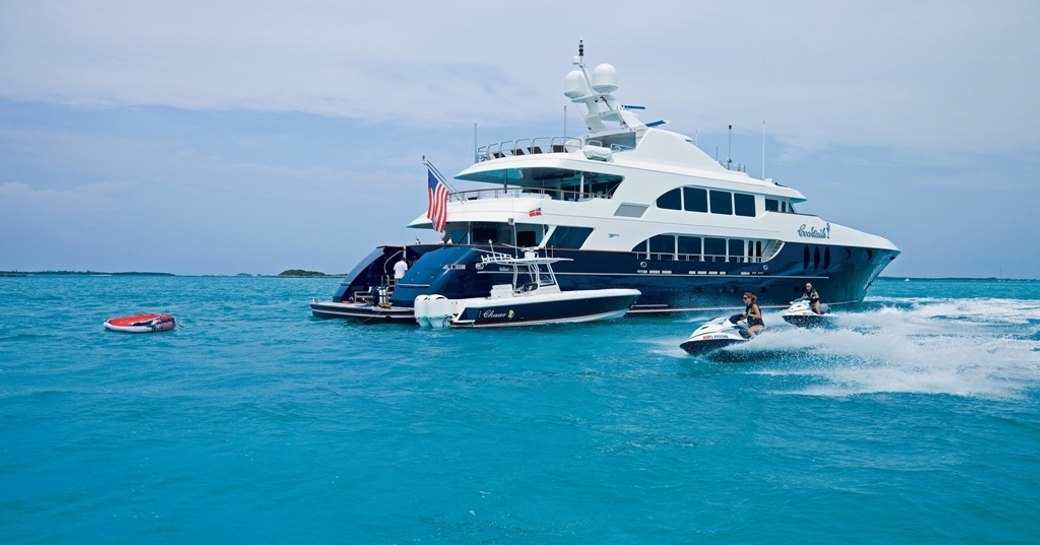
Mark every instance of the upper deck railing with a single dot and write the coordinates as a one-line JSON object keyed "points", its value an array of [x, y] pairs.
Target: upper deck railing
{"points": [[541, 144], [528, 146], [514, 192]]}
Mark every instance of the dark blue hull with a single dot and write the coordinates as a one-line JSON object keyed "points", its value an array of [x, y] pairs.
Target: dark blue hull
{"points": [[840, 274], [515, 312]]}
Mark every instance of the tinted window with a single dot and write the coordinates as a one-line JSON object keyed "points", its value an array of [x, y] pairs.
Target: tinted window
{"points": [[569, 237], [736, 248], [670, 200], [695, 199], [714, 246], [772, 205], [721, 202], [483, 235], [690, 245], [526, 238], [744, 205], [662, 243]]}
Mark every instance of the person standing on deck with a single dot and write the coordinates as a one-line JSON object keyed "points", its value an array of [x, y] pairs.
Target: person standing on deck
{"points": [[400, 268]]}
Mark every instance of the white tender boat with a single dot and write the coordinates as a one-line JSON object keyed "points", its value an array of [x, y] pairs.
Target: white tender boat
{"points": [[532, 298]]}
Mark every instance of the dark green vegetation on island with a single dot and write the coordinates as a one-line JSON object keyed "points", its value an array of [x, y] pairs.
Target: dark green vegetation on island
{"points": [[300, 273]]}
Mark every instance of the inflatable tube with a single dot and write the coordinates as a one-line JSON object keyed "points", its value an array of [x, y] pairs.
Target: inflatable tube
{"points": [[142, 323]]}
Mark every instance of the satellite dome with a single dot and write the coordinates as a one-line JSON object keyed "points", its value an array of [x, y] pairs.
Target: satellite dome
{"points": [[574, 84], [604, 79]]}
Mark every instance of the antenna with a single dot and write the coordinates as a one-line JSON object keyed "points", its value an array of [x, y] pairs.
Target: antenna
{"points": [[729, 152], [763, 149], [476, 156]]}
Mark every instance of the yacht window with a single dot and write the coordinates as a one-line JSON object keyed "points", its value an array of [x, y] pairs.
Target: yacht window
{"points": [[601, 185], [743, 204], [526, 239], [670, 200], [714, 248], [736, 249], [481, 235], [695, 199], [721, 202], [569, 237], [662, 247], [689, 248], [772, 205]]}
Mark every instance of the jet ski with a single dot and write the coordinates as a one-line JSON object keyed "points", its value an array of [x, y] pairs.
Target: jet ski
{"points": [[801, 314], [715, 334]]}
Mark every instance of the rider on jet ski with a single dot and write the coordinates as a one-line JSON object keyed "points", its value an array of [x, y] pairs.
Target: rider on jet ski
{"points": [[814, 298], [752, 313]]}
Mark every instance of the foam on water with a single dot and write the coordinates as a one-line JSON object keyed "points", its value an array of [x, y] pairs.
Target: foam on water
{"points": [[966, 347]]}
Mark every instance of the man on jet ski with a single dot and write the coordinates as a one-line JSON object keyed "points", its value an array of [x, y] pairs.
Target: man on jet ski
{"points": [[814, 298]]}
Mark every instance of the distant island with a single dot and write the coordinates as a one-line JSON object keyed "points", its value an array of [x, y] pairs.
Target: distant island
{"points": [[300, 273]]}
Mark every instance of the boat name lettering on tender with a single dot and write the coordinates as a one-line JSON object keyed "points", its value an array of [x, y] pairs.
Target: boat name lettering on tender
{"points": [[813, 232], [490, 313]]}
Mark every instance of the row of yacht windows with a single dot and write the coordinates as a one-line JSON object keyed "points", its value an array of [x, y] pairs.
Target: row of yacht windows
{"points": [[669, 247], [521, 234], [691, 248], [714, 201]]}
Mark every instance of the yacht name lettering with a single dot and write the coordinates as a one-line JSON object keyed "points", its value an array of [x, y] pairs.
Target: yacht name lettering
{"points": [[813, 232]]}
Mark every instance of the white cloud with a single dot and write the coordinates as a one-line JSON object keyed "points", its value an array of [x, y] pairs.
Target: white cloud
{"points": [[929, 76]]}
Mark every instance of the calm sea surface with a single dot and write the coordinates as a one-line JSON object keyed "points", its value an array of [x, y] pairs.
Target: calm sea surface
{"points": [[916, 421]]}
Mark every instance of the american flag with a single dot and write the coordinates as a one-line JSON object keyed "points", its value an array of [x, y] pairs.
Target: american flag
{"points": [[437, 211]]}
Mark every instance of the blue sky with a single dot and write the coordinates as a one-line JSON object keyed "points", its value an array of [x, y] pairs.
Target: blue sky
{"points": [[231, 137]]}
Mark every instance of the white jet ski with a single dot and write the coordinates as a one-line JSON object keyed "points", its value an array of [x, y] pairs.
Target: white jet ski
{"points": [[715, 334], [801, 314]]}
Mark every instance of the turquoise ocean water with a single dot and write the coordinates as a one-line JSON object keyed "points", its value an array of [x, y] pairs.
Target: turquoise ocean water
{"points": [[915, 421]]}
